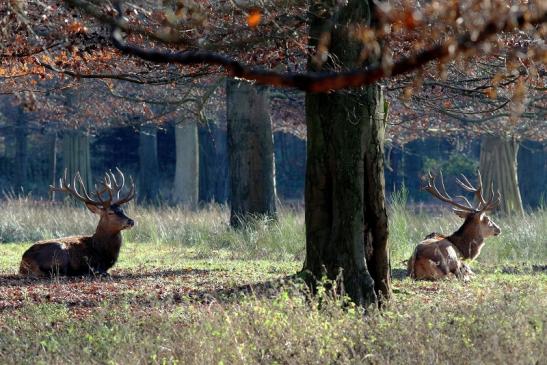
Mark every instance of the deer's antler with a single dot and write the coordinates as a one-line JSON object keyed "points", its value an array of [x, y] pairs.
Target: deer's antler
{"points": [[109, 184], [483, 205], [443, 196]]}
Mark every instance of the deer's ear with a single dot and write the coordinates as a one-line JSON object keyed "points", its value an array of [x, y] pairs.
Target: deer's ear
{"points": [[94, 208], [461, 213]]}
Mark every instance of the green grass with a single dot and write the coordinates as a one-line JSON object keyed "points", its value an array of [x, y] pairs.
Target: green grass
{"points": [[188, 289]]}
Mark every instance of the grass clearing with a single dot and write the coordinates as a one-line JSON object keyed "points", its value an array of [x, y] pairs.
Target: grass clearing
{"points": [[188, 289]]}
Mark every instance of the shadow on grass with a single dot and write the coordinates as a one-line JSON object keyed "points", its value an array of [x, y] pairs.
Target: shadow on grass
{"points": [[21, 281], [138, 289], [163, 287], [398, 274]]}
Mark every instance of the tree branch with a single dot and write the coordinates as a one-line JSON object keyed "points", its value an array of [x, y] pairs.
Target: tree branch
{"points": [[327, 81]]}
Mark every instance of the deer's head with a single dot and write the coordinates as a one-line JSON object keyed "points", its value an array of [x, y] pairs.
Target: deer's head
{"points": [[475, 215], [105, 201]]}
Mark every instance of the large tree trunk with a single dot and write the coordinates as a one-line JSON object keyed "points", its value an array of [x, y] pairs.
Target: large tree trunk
{"points": [[498, 166], [21, 151], [346, 220], [186, 185], [148, 164], [76, 157], [250, 150]]}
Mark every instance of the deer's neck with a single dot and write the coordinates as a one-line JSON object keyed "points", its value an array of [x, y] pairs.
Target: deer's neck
{"points": [[107, 242], [468, 240]]}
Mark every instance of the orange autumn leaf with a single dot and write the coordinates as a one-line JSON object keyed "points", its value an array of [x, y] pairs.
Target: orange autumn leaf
{"points": [[253, 18], [491, 92], [76, 27]]}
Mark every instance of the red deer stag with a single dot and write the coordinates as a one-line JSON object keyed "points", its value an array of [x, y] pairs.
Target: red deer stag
{"points": [[84, 255], [441, 256]]}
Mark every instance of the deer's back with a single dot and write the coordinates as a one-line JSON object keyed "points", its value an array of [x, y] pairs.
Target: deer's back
{"points": [[433, 259], [65, 256]]}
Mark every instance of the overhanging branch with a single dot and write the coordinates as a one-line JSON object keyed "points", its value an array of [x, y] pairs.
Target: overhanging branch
{"points": [[327, 81]]}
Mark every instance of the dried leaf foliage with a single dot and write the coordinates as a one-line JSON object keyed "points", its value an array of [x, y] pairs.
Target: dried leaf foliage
{"points": [[471, 66]]}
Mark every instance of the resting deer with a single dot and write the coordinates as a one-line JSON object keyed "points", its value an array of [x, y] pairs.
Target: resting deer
{"points": [[84, 255], [441, 256]]}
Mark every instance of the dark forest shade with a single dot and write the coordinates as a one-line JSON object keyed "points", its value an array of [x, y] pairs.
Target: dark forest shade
{"points": [[148, 188], [250, 152], [213, 164], [119, 147], [21, 150]]}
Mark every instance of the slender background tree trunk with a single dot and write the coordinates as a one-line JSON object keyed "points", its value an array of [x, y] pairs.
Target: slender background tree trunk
{"points": [[21, 151], [76, 156], [251, 152], [53, 163], [498, 166], [186, 185]]}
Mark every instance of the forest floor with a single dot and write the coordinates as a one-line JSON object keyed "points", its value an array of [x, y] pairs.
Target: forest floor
{"points": [[162, 304], [167, 303]]}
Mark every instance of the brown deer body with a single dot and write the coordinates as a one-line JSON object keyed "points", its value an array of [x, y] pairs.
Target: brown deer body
{"points": [[441, 256], [84, 255]]}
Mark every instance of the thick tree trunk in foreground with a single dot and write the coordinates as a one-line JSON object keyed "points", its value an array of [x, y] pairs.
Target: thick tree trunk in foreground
{"points": [[149, 167], [346, 220], [76, 156], [498, 166], [186, 184], [250, 150]]}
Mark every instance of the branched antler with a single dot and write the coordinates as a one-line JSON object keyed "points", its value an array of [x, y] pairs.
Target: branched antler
{"points": [[109, 184], [483, 205]]}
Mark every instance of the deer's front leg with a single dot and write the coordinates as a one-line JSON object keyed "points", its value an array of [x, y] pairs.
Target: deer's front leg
{"points": [[466, 269]]}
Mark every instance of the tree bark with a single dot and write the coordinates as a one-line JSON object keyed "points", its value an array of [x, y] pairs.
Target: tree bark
{"points": [[148, 161], [346, 220], [498, 166], [251, 152], [76, 156], [186, 184]]}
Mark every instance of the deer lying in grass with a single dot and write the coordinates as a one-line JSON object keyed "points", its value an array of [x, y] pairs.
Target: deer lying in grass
{"points": [[84, 255], [441, 256]]}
